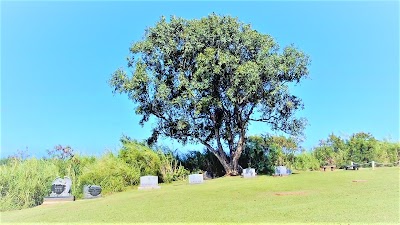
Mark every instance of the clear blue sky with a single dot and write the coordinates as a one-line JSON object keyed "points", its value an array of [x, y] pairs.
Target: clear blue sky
{"points": [[56, 58]]}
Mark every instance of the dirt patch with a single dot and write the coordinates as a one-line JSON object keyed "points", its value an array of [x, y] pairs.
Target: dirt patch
{"points": [[359, 180], [290, 193]]}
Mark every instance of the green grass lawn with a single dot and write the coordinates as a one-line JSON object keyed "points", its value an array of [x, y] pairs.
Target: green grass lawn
{"points": [[306, 197]]}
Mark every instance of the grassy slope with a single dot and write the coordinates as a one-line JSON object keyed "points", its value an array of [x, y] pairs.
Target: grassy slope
{"points": [[308, 197]]}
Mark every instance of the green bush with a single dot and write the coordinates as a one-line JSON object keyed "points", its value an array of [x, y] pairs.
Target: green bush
{"points": [[111, 173], [140, 156], [306, 161], [151, 162], [170, 170], [25, 183]]}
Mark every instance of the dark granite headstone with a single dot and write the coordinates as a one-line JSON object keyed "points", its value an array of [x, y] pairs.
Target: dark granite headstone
{"points": [[91, 191]]}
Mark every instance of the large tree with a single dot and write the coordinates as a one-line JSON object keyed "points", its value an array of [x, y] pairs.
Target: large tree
{"points": [[205, 80], [362, 147]]}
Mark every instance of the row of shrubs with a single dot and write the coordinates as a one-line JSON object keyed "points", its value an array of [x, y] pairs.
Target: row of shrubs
{"points": [[25, 183]]}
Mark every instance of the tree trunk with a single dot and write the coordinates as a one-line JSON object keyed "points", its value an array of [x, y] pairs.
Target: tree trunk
{"points": [[228, 166], [235, 163], [231, 168], [236, 155], [225, 163]]}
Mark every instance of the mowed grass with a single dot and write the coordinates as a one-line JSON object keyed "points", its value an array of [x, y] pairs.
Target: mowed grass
{"points": [[306, 197]]}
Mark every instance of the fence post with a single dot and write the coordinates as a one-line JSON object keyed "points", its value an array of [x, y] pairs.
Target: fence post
{"points": [[373, 165]]}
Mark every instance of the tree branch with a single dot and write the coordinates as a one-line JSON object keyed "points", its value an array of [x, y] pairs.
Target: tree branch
{"points": [[250, 112], [264, 119]]}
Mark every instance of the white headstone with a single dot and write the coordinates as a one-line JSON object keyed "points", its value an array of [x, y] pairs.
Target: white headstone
{"points": [[148, 182], [249, 173], [282, 170], [195, 178]]}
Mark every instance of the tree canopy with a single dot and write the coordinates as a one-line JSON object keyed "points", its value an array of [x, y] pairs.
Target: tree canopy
{"points": [[205, 80]]}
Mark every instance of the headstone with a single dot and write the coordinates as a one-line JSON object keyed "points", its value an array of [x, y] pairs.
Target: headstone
{"points": [[61, 187], [282, 171], [208, 175], [373, 165], [148, 182], [195, 178], [91, 191], [249, 173], [60, 190]]}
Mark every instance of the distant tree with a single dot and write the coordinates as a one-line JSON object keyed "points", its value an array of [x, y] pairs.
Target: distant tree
{"points": [[204, 80], [362, 147], [340, 149], [261, 155], [393, 151], [387, 152], [306, 161], [286, 148], [324, 154], [333, 150]]}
